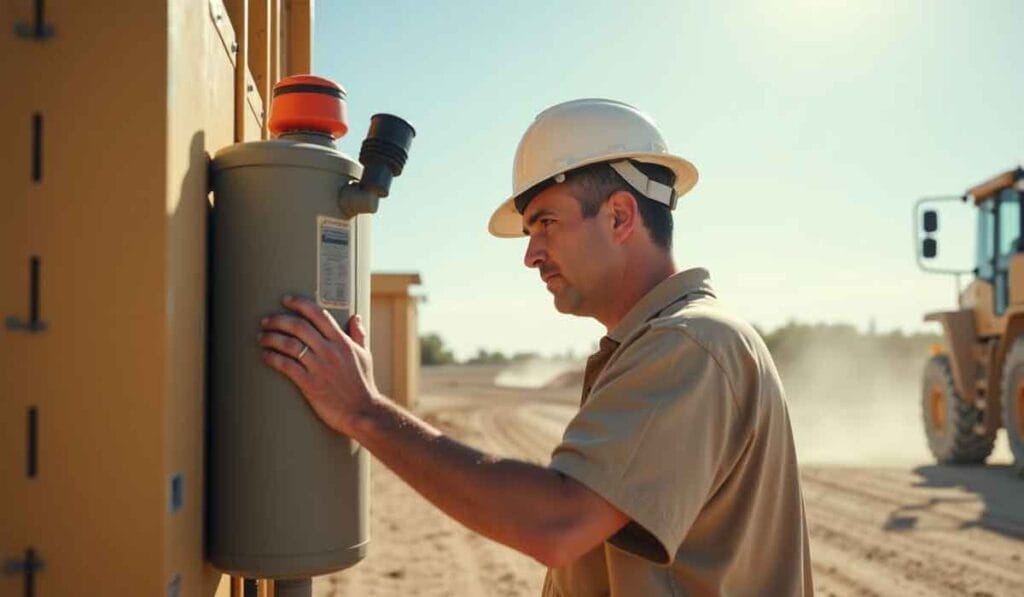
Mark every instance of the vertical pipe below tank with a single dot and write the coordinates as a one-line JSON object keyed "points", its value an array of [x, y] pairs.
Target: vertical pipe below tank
{"points": [[241, 67], [293, 587], [264, 587]]}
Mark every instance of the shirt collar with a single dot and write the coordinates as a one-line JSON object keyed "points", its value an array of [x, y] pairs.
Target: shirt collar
{"points": [[669, 291]]}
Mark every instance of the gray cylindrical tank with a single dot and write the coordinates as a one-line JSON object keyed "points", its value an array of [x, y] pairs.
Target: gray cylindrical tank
{"points": [[287, 496]]}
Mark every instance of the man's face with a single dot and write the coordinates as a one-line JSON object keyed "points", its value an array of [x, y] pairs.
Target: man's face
{"points": [[572, 253]]}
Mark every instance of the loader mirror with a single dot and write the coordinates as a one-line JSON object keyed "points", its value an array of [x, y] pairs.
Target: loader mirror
{"points": [[931, 221], [929, 248]]}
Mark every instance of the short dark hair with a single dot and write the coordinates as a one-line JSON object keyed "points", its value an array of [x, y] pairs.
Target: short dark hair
{"points": [[594, 183]]}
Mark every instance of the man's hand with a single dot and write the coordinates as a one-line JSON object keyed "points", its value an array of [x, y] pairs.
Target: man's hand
{"points": [[335, 373], [551, 517]]}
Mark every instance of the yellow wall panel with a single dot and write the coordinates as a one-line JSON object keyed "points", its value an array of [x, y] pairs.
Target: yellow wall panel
{"points": [[96, 222], [15, 398], [201, 91], [134, 99]]}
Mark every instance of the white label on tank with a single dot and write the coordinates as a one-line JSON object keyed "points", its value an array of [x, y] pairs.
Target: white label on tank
{"points": [[334, 263]]}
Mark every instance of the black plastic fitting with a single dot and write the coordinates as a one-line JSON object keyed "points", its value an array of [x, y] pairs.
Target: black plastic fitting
{"points": [[384, 152]]}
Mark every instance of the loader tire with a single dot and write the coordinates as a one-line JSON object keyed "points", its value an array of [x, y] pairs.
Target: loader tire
{"points": [[950, 423], [1013, 400]]}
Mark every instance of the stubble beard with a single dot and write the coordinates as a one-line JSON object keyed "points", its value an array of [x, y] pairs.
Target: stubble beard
{"points": [[569, 301]]}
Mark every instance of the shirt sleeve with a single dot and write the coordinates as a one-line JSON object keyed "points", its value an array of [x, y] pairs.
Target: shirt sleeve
{"points": [[654, 439]]}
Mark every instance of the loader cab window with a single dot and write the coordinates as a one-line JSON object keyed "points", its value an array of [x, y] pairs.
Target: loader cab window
{"points": [[1006, 241], [986, 240]]}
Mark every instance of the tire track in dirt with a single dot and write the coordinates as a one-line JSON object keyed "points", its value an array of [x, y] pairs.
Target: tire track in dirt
{"points": [[520, 430], [854, 553], [417, 550], [950, 518], [933, 547], [503, 570], [950, 502], [944, 530], [894, 567], [872, 533]]}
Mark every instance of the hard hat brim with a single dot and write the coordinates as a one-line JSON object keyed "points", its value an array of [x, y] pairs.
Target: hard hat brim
{"points": [[506, 222]]}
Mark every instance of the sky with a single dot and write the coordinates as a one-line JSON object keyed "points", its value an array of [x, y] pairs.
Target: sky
{"points": [[815, 126]]}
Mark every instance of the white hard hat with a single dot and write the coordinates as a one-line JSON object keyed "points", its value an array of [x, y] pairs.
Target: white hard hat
{"points": [[587, 131]]}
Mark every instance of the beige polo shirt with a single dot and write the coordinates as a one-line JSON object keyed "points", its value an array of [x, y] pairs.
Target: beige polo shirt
{"points": [[684, 428]]}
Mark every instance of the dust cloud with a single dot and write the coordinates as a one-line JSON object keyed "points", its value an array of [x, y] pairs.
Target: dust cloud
{"points": [[854, 408], [855, 398], [537, 373]]}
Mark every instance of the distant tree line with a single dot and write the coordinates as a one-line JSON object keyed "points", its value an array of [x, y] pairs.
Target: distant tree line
{"points": [[434, 352], [789, 344], [893, 351], [484, 357]]}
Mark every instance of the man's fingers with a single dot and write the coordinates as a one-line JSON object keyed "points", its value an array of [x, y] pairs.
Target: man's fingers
{"points": [[320, 318], [297, 327], [289, 367], [288, 346], [356, 330]]}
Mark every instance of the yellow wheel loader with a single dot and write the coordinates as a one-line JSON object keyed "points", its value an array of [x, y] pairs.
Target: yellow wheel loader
{"points": [[975, 385]]}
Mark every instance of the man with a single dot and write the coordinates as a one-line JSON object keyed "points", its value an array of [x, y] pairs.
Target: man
{"points": [[678, 475]]}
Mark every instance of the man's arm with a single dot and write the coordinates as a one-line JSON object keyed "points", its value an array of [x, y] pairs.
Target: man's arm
{"points": [[537, 511]]}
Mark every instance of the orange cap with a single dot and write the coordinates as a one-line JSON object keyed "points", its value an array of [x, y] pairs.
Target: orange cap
{"points": [[308, 103]]}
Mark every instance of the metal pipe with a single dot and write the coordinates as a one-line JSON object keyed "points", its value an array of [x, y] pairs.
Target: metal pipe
{"points": [[275, 46], [260, 51], [293, 587], [265, 588], [236, 586], [241, 67]]}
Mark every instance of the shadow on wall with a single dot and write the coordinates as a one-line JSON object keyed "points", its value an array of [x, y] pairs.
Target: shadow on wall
{"points": [[189, 252]]}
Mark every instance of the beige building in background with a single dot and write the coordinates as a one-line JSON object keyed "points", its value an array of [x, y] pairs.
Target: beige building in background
{"points": [[394, 336]]}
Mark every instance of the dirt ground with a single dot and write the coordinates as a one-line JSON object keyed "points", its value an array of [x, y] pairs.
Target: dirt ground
{"points": [[875, 530]]}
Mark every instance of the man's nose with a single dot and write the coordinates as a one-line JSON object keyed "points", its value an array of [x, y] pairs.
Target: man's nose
{"points": [[535, 253]]}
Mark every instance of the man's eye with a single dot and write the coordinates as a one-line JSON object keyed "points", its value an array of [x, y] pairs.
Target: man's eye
{"points": [[546, 222]]}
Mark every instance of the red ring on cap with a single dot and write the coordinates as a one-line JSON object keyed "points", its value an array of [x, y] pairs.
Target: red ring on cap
{"points": [[308, 103]]}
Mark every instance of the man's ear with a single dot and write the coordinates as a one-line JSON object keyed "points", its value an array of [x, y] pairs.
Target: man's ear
{"points": [[625, 214]]}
